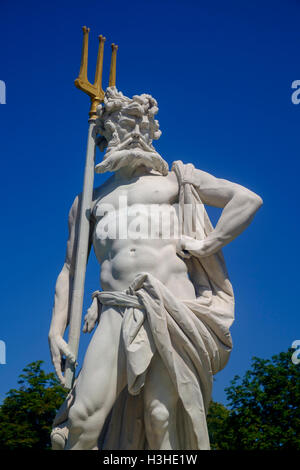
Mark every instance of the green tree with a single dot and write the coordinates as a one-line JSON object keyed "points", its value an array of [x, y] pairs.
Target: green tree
{"points": [[264, 408], [26, 414], [216, 421]]}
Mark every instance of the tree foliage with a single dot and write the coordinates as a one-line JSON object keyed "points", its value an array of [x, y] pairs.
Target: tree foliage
{"points": [[26, 414], [216, 420], [264, 408]]}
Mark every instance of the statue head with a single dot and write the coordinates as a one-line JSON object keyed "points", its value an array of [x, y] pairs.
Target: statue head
{"points": [[127, 128]]}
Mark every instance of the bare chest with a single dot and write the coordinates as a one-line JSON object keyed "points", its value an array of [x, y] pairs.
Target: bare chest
{"points": [[146, 190]]}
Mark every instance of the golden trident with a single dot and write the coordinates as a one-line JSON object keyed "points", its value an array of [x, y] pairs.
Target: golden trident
{"points": [[96, 94], [95, 91]]}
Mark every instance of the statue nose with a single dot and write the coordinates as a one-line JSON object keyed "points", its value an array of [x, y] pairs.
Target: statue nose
{"points": [[136, 131]]}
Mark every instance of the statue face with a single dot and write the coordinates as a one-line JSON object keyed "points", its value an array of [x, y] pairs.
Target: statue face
{"points": [[128, 133], [127, 127], [134, 130]]}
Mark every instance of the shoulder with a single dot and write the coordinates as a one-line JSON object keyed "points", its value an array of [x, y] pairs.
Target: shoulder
{"points": [[187, 173], [184, 172], [102, 190], [75, 207], [98, 193]]}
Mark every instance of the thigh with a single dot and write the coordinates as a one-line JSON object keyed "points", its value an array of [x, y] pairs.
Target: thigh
{"points": [[159, 388], [103, 374]]}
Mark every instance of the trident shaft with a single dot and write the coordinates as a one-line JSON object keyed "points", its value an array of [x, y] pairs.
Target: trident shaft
{"points": [[96, 94]]}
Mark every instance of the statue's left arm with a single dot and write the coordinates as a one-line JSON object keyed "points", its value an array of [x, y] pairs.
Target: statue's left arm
{"points": [[239, 207]]}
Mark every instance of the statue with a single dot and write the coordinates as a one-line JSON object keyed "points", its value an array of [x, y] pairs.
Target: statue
{"points": [[163, 313]]}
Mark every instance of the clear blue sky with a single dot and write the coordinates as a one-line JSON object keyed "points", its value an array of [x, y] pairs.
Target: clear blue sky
{"points": [[222, 74]]}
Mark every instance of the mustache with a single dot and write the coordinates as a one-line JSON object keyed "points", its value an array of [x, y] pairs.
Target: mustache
{"points": [[127, 144], [132, 157]]}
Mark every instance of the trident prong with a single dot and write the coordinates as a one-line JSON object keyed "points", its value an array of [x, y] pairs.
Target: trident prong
{"points": [[113, 63], [95, 90], [99, 66]]}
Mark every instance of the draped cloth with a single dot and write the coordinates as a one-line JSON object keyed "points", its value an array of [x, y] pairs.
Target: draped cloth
{"points": [[191, 337]]}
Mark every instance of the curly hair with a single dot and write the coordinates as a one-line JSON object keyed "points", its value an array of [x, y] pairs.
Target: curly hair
{"points": [[115, 103]]}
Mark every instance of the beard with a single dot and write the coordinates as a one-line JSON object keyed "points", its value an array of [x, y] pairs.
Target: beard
{"points": [[132, 153]]}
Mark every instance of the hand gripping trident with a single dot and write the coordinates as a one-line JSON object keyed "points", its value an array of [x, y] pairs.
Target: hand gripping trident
{"points": [[96, 94]]}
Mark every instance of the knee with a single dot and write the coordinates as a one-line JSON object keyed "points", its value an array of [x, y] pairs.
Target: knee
{"points": [[84, 427], [85, 419], [85, 424], [78, 417], [158, 415]]}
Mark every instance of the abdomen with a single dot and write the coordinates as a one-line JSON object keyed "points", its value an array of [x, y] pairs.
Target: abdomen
{"points": [[118, 272]]}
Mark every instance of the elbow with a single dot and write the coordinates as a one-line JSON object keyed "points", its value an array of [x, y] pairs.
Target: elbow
{"points": [[250, 201], [256, 202]]}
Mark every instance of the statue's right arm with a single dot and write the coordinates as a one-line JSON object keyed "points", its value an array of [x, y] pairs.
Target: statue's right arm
{"points": [[63, 287]]}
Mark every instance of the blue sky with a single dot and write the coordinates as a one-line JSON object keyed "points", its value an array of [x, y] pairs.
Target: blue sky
{"points": [[222, 74]]}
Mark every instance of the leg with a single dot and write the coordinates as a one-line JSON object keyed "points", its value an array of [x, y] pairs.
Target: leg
{"points": [[101, 380], [160, 408]]}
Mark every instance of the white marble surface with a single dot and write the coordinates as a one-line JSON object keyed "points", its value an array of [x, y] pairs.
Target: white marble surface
{"points": [[162, 319]]}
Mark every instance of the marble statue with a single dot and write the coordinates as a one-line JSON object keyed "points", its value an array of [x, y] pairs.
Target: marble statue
{"points": [[163, 313]]}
